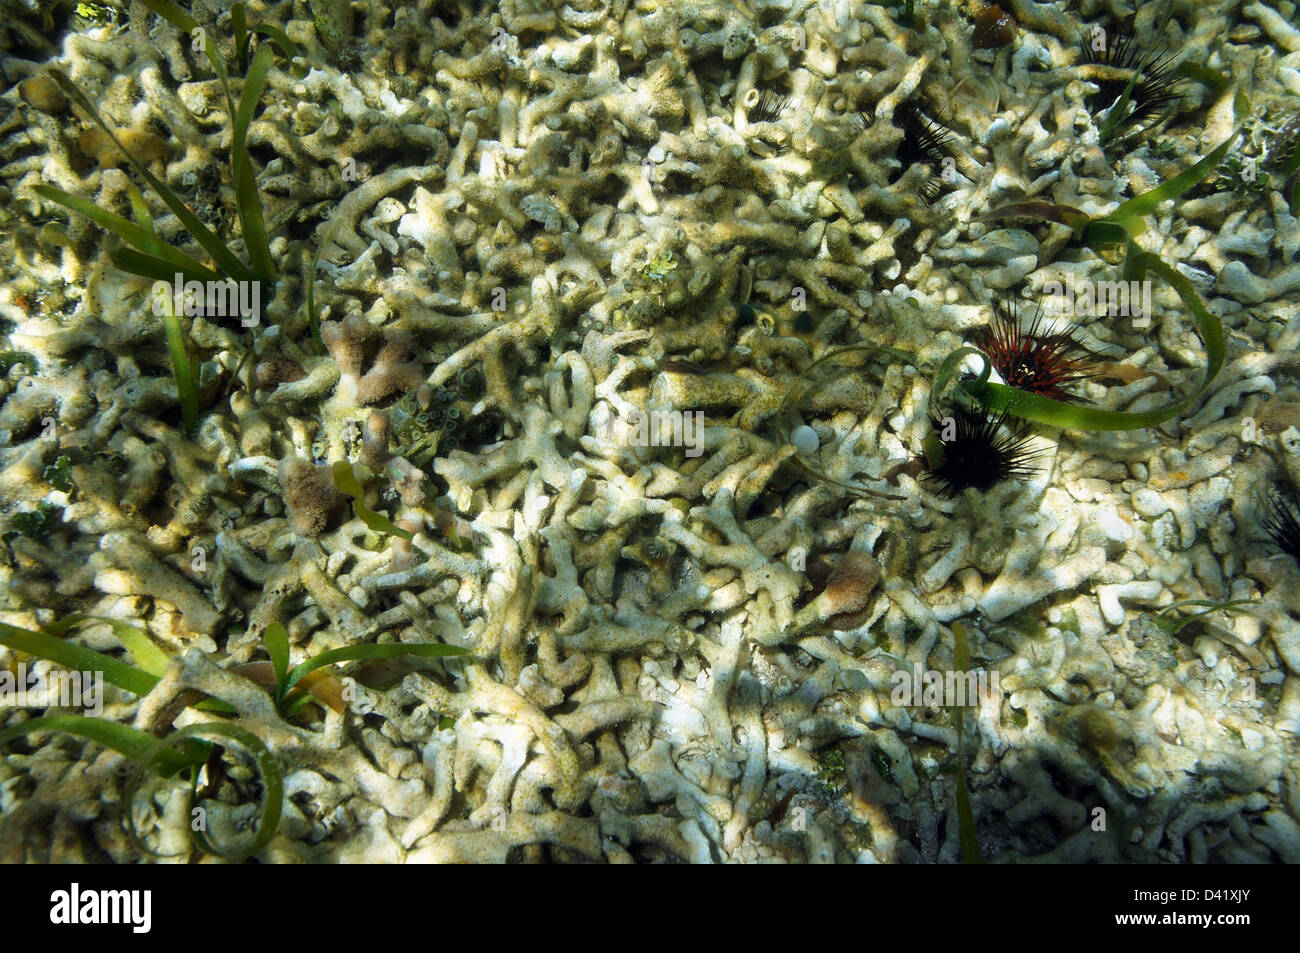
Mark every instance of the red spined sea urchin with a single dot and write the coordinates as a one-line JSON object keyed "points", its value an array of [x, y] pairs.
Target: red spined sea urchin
{"points": [[1030, 359]]}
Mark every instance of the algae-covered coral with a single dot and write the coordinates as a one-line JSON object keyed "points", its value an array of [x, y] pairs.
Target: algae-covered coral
{"points": [[548, 275]]}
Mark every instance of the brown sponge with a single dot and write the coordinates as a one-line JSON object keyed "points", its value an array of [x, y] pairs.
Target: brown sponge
{"points": [[310, 495], [390, 371]]}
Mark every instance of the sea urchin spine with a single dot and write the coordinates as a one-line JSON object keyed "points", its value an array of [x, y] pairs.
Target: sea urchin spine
{"points": [[768, 106]]}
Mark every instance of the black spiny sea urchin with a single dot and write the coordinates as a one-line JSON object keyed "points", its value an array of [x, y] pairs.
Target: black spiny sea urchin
{"points": [[1282, 518], [967, 450], [924, 141], [1154, 90]]}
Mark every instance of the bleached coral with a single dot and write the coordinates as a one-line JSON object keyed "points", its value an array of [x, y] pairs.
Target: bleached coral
{"points": [[674, 656]]}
